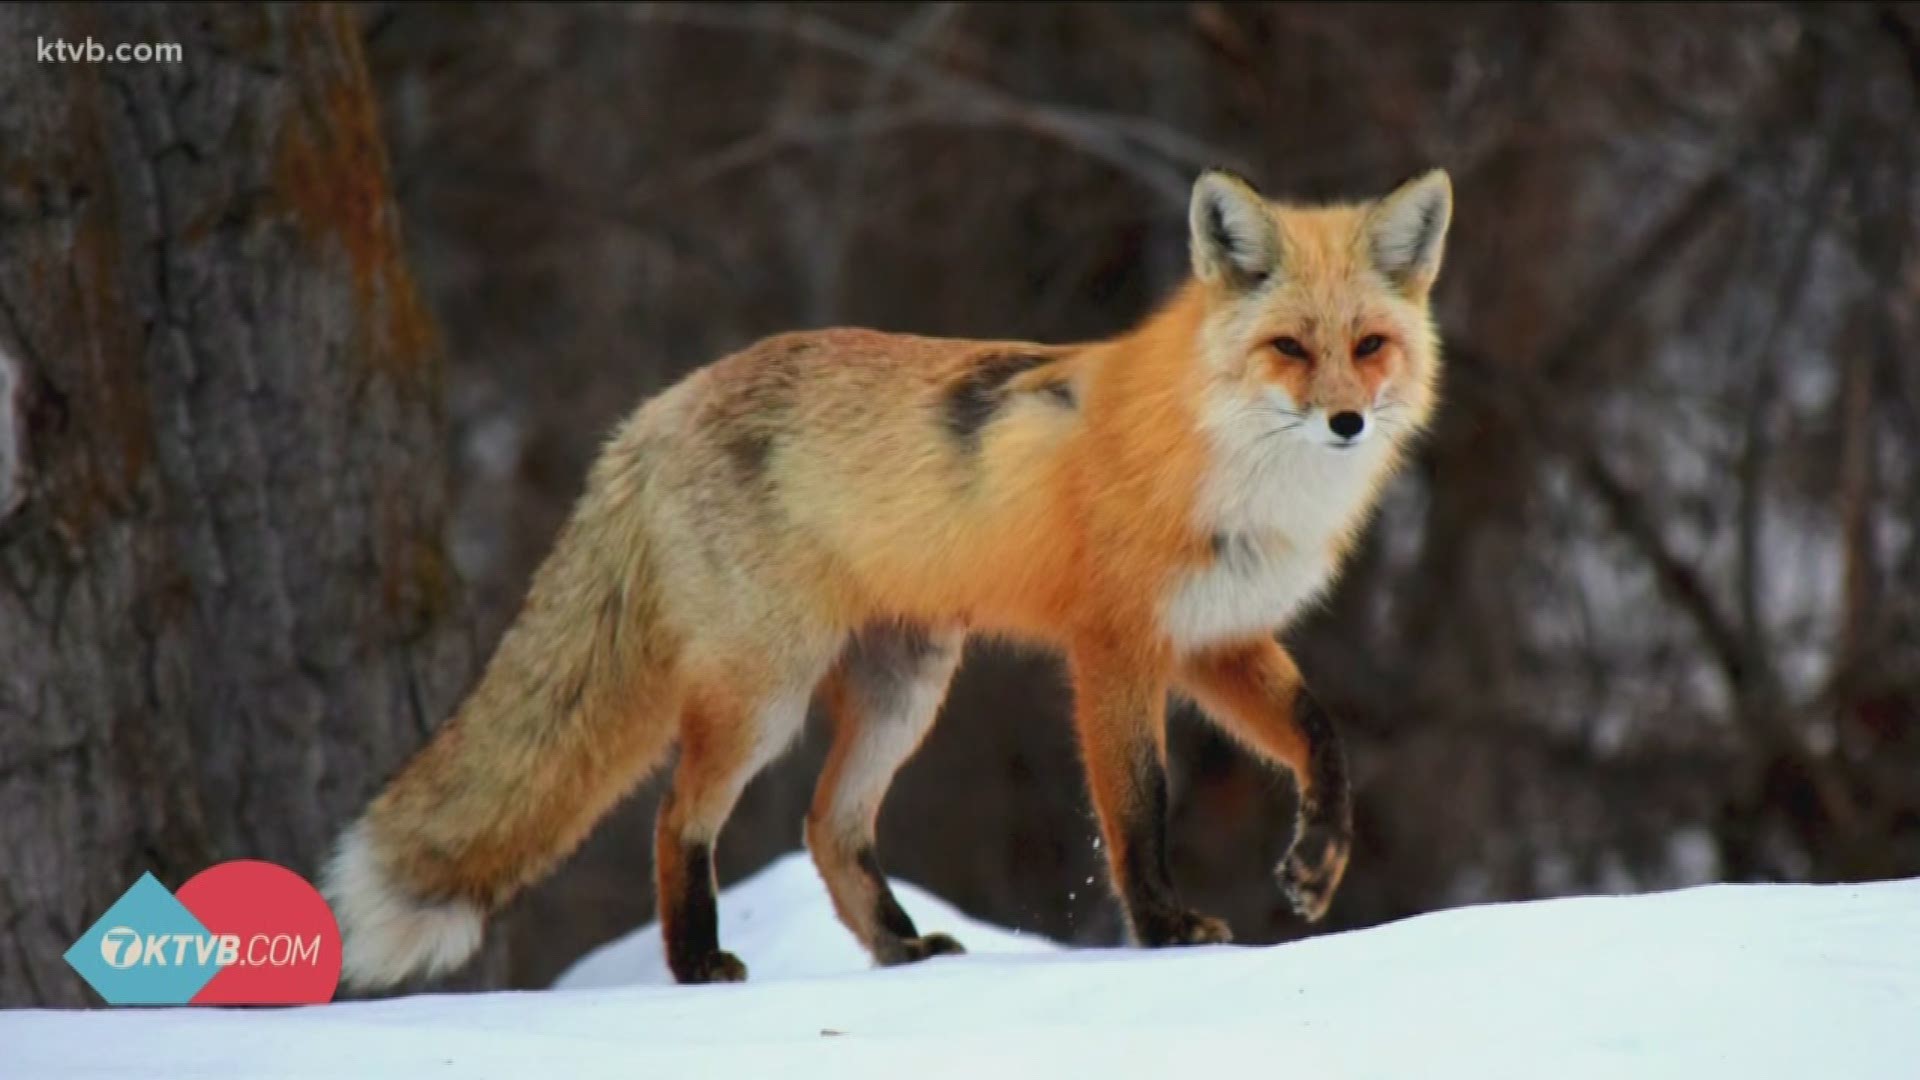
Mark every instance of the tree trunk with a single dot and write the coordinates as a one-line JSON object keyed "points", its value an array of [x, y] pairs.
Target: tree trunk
{"points": [[226, 612]]}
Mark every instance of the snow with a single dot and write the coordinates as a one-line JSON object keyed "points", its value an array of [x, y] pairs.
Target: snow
{"points": [[1746, 981], [781, 922]]}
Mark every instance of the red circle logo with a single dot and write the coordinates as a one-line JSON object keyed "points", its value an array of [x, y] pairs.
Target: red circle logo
{"points": [[277, 939]]}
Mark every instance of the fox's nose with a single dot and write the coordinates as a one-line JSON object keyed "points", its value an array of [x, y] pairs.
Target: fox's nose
{"points": [[1347, 424]]}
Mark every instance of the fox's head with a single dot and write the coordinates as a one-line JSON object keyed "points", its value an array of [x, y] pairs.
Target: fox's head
{"points": [[1316, 327]]}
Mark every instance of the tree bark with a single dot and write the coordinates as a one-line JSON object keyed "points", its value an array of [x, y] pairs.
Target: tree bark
{"points": [[226, 611]]}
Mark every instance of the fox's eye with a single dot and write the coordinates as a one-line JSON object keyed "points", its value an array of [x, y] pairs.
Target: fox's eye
{"points": [[1290, 346], [1369, 345]]}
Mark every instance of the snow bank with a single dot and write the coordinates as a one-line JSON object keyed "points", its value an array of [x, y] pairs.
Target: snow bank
{"points": [[1746, 981]]}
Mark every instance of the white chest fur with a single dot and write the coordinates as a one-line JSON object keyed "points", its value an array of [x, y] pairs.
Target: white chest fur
{"points": [[1252, 587], [1278, 512]]}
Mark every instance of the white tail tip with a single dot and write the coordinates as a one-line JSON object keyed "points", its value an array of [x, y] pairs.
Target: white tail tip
{"points": [[386, 934]]}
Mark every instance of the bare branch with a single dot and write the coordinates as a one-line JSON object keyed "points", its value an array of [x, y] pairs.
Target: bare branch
{"points": [[1820, 195], [831, 249], [1158, 157]]}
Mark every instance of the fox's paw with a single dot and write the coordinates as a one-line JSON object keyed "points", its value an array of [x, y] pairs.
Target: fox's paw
{"points": [[909, 950], [718, 966], [1174, 926], [1311, 872]]}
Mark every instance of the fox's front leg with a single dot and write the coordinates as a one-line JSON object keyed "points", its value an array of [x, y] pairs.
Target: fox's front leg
{"points": [[1120, 713], [1255, 692]]}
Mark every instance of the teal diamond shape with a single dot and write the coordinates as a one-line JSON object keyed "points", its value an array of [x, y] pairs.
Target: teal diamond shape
{"points": [[135, 956]]}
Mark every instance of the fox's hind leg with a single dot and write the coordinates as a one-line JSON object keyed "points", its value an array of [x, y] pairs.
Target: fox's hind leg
{"points": [[726, 736], [882, 696]]}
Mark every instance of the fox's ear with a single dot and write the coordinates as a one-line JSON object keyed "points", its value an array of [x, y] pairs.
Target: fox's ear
{"points": [[1407, 231], [1234, 241]]}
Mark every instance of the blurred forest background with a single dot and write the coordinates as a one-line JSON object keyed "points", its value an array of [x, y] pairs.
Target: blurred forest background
{"points": [[307, 343]]}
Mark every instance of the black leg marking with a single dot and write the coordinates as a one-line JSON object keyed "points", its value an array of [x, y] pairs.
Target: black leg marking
{"points": [[693, 926], [1149, 881], [1153, 910], [887, 910], [1323, 837], [902, 942], [1326, 763]]}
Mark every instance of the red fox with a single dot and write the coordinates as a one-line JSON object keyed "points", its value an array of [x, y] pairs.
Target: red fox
{"points": [[827, 515]]}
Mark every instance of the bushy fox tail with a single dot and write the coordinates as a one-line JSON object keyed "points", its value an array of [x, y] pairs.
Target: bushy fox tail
{"points": [[575, 707]]}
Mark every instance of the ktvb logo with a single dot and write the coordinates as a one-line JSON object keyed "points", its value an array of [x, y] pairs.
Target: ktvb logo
{"points": [[122, 948], [240, 933]]}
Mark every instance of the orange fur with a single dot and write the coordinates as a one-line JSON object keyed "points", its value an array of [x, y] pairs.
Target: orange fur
{"points": [[1250, 688]]}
